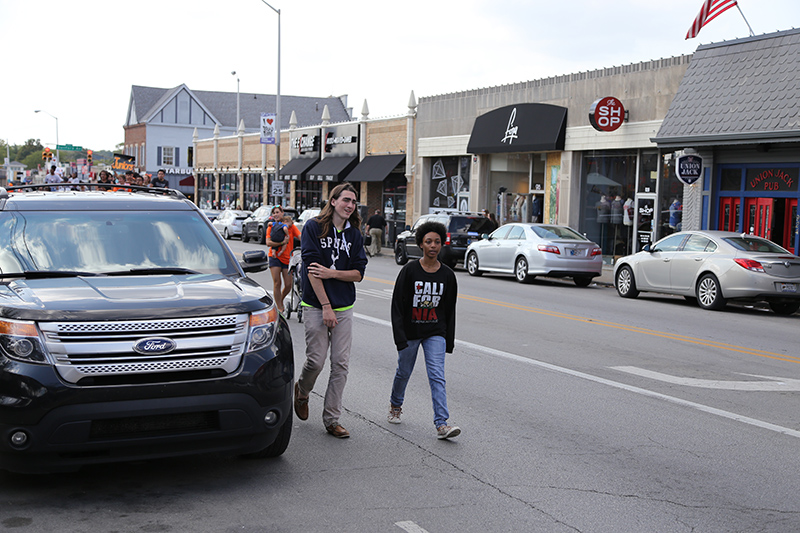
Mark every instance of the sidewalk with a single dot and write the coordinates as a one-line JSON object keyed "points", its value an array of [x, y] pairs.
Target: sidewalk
{"points": [[607, 277]]}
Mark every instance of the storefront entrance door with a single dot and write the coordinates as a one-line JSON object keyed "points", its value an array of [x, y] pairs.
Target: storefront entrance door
{"points": [[790, 225], [758, 216], [729, 210]]}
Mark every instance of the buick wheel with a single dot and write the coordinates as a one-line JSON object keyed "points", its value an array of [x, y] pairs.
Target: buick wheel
{"points": [[709, 293], [625, 283]]}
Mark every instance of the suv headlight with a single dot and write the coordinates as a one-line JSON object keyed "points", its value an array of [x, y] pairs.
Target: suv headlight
{"points": [[263, 329], [20, 341]]}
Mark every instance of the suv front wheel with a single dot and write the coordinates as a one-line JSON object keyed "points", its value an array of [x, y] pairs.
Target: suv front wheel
{"points": [[400, 256]]}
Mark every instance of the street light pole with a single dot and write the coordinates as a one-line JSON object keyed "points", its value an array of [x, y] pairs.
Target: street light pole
{"points": [[58, 158], [277, 102], [237, 102]]}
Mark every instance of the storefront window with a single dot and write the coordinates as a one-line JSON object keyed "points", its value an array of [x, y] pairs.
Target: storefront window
{"points": [[670, 200], [205, 190], [449, 177], [394, 205], [308, 194], [253, 190], [608, 180], [228, 190], [648, 172], [731, 179]]}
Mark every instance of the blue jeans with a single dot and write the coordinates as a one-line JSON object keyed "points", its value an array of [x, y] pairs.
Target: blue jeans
{"points": [[434, 350]]}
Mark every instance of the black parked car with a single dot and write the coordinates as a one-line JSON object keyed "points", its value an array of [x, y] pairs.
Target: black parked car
{"points": [[462, 229], [128, 331], [255, 226]]}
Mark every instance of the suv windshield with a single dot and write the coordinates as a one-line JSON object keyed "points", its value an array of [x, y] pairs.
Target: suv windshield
{"points": [[103, 242], [475, 224]]}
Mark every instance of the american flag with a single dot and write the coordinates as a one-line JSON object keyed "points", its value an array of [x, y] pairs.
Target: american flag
{"points": [[711, 9]]}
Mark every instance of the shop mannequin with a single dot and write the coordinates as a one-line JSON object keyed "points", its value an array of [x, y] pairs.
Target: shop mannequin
{"points": [[603, 210], [627, 212], [675, 212], [616, 210]]}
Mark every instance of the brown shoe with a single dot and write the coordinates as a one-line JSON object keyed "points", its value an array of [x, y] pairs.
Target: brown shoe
{"points": [[337, 431], [300, 404]]}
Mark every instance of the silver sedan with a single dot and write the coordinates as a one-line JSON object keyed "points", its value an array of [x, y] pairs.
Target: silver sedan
{"points": [[529, 250], [229, 222], [713, 267]]}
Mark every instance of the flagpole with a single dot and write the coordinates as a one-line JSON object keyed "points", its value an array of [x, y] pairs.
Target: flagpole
{"points": [[745, 20]]}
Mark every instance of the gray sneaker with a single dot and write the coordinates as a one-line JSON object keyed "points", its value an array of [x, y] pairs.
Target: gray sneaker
{"points": [[447, 432], [394, 414]]}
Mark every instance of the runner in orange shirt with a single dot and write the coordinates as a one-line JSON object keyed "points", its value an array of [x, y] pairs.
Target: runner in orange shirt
{"points": [[280, 253]]}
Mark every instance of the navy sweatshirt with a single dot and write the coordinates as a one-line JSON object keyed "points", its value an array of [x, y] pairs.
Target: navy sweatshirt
{"points": [[341, 250]]}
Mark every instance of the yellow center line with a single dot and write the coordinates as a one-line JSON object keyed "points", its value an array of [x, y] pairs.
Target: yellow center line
{"points": [[623, 327]]}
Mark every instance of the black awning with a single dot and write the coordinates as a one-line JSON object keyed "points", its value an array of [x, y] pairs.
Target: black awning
{"points": [[294, 169], [376, 167], [332, 168], [519, 128]]}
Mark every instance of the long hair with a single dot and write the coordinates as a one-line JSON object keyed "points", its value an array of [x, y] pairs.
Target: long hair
{"points": [[325, 217]]}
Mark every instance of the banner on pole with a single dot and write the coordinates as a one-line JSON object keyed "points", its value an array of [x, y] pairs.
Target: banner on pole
{"points": [[268, 127]]}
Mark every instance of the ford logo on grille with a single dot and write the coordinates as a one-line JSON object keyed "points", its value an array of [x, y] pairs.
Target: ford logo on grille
{"points": [[154, 346]]}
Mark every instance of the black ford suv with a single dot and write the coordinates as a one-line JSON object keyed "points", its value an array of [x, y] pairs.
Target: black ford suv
{"points": [[462, 229], [129, 331]]}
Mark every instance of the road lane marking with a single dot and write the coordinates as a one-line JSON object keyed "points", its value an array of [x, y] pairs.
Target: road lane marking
{"points": [[410, 527], [629, 328], [774, 384], [603, 381]]}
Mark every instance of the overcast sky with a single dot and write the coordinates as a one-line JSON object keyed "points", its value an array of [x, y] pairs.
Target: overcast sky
{"points": [[77, 60]]}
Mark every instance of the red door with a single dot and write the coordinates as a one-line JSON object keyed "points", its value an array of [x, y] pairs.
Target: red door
{"points": [[729, 209], [790, 225], [758, 216]]}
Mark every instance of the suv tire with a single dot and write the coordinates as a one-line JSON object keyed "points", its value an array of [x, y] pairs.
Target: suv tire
{"points": [[279, 445], [262, 236], [400, 256]]}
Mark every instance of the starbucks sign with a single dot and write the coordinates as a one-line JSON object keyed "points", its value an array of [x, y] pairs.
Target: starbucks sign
{"points": [[689, 168]]}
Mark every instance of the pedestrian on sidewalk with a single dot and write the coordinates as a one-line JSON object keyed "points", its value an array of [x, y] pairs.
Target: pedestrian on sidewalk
{"points": [[375, 226], [333, 256], [424, 313]]}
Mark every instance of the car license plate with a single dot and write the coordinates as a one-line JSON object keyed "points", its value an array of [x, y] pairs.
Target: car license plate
{"points": [[469, 241], [787, 287]]}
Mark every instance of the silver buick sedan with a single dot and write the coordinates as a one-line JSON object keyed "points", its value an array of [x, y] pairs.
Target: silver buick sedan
{"points": [[713, 267], [529, 250]]}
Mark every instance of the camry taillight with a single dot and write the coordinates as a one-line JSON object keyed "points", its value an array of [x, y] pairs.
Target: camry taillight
{"points": [[549, 248], [596, 251], [749, 264]]}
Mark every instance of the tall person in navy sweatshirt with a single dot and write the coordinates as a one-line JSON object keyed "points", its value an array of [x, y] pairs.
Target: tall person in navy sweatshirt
{"points": [[424, 314], [333, 261]]}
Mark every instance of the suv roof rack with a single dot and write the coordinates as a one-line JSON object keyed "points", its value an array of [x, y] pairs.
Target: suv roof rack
{"points": [[126, 188]]}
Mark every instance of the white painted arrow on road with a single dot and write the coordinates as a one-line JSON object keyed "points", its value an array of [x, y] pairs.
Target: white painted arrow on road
{"points": [[774, 384]]}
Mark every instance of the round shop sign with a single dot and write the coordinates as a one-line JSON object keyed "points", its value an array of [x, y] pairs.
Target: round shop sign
{"points": [[689, 168], [607, 114]]}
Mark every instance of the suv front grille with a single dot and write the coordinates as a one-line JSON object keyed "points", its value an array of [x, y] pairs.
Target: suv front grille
{"points": [[106, 349]]}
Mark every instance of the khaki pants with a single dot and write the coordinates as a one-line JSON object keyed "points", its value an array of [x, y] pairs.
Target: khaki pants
{"points": [[318, 338], [377, 237]]}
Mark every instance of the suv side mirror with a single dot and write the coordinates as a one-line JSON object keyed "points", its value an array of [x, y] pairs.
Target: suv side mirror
{"points": [[254, 261], [408, 228]]}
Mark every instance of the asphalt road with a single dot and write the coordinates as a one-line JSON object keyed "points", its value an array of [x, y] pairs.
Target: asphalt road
{"points": [[580, 411]]}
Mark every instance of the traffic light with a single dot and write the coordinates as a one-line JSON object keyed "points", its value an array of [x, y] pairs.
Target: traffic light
{"points": [[89, 157], [47, 155]]}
